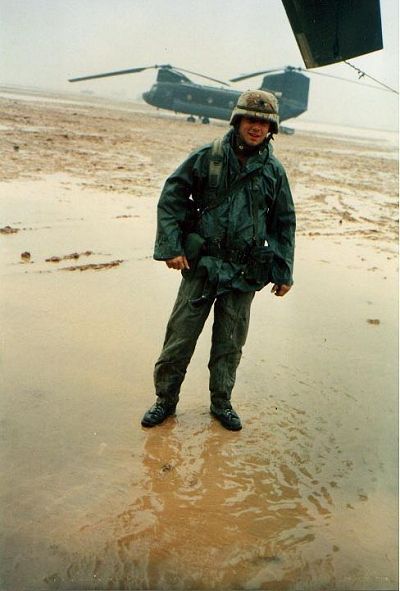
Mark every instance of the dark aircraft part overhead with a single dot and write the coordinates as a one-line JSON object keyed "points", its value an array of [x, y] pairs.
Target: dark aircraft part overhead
{"points": [[330, 31]]}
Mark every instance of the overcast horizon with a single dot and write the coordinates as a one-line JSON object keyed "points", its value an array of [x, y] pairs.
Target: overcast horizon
{"points": [[43, 43]]}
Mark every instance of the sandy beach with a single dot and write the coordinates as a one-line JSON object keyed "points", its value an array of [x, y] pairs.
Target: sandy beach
{"points": [[305, 496]]}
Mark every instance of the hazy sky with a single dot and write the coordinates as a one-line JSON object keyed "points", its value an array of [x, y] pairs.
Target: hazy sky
{"points": [[45, 42]]}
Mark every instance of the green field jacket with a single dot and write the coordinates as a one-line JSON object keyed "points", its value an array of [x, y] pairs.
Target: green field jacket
{"points": [[257, 208]]}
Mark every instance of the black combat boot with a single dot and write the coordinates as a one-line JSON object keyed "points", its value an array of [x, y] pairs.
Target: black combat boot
{"points": [[227, 417], [158, 413]]}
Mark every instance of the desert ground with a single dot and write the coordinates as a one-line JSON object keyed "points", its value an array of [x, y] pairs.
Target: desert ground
{"points": [[305, 496]]}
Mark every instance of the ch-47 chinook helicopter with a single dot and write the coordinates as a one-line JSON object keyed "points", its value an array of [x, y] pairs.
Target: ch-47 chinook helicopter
{"points": [[174, 91]]}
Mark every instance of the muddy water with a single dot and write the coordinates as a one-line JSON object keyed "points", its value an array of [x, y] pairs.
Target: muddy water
{"points": [[303, 498]]}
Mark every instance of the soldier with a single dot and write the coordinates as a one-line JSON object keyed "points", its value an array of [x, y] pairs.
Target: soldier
{"points": [[226, 220]]}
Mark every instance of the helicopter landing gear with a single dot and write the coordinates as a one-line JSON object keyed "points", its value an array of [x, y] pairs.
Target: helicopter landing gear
{"points": [[205, 120], [191, 119]]}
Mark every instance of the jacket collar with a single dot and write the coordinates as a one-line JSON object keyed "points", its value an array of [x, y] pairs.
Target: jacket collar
{"points": [[254, 161]]}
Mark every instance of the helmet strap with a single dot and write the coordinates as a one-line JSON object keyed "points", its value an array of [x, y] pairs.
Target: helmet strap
{"points": [[269, 137]]}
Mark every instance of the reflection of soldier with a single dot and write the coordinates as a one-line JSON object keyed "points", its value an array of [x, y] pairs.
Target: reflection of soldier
{"points": [[226, 220]]}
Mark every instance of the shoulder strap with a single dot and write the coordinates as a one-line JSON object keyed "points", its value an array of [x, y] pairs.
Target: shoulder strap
{"points": [[214, 199], [215, 164], [215, 195]]}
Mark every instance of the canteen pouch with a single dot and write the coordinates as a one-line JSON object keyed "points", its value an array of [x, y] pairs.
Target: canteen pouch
{"points": [[259, 266]]}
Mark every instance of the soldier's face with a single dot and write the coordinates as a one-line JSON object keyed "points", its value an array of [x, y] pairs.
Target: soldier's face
{"points": [[253, 131]]}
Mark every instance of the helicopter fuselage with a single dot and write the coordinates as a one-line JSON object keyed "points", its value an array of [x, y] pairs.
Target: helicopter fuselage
{"points": [[193, 99], [175, 92]]}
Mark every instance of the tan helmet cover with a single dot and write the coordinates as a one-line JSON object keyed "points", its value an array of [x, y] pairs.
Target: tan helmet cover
{"points": [[260, 104]]}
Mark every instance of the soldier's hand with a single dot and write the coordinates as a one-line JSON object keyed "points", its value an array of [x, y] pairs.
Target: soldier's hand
{"points": [[280, 290], [178, 263]]}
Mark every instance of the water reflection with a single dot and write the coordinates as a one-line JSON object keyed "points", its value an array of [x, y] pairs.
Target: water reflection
{"points": [[222, 510]]}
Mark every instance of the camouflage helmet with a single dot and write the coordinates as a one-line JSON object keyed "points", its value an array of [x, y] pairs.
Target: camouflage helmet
{"points": [[260, 104]]}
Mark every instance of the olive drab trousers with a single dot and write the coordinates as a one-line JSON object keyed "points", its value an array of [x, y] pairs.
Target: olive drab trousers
{"points": [[231, 321]]}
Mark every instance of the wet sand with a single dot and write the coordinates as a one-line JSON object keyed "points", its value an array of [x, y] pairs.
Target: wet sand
{"points": [[305, 496]]}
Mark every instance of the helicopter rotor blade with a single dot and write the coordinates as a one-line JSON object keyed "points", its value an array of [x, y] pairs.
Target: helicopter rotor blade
{"points": [[299, 69], [252, 75], [116, 73], [136, 70], [201, 76]]}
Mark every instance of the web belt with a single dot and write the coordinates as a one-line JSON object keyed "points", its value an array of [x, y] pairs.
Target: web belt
{"points": [[216, 249]]}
